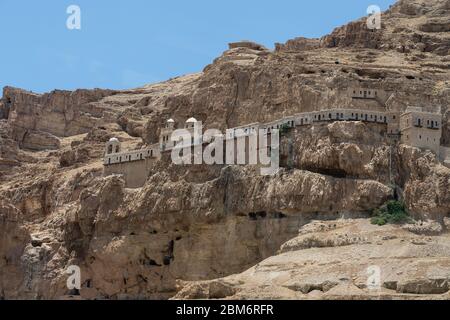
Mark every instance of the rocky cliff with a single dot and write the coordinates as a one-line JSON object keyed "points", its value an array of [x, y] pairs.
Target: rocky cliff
{"points": [[226, 231]]}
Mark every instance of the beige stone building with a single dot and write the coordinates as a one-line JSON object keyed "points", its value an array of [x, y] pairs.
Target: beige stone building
{"points": [[421, 129], [166, 132], [413, 127], [364, 93]]}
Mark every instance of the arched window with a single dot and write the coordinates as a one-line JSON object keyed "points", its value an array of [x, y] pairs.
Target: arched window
{"points": [[117, 149], [110, 149]]}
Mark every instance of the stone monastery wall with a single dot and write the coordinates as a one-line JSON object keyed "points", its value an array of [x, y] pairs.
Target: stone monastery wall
{"points": [[416, 128]]}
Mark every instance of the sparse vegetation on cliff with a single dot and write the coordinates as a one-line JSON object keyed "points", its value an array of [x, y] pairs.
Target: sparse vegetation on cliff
{"points": [[393, 212]]}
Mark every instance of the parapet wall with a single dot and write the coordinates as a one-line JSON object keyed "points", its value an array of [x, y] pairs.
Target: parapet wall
{"points": [[135, 173], [130, 156]]}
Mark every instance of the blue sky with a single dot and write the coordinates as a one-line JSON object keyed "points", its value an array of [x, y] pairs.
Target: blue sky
{"points": [[125, 44]]}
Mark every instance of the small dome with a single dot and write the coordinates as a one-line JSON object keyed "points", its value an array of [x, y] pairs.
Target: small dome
{"points": [[170, 121], [113, 140], [191, 120]]}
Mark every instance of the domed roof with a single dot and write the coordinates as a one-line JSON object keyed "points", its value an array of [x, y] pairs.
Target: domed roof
{"points": [[114, 140], [170, 121], [191, 120]]}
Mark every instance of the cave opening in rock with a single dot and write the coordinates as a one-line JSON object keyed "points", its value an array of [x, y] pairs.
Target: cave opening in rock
{"points": [[74, 292], [257, 215]]}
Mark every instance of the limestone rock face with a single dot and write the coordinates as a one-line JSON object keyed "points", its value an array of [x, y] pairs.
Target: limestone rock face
{"points": [[14, 239], [427, 186], [328, 260], [298, 44], [247, 44], [4, 110], [38, 120], [226, 231], [407, 25]]}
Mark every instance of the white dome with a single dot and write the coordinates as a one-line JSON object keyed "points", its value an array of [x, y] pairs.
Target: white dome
{"points": [[113, 140], [170, 121], [191, 120]]}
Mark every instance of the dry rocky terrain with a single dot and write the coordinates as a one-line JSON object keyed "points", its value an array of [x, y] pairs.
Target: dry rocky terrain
{"points": [[224, 232]]}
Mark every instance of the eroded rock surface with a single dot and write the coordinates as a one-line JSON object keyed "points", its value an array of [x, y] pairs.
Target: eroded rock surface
{"points": [[334, 260], [190, 225]]}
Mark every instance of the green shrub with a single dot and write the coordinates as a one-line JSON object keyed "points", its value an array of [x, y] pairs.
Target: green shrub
{"points": [[393, 212]]}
